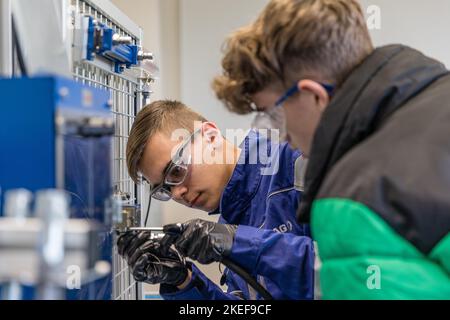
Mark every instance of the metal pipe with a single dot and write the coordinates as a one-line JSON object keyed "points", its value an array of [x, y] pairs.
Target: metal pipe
{"points": [[152, 229], [142, 55], [6, 50], [118, 39]]}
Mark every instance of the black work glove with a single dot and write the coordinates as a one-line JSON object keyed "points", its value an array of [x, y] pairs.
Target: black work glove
{"points": [[147, 261], [200, 240]]}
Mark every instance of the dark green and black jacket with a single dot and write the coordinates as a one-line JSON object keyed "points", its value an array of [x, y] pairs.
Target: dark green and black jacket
{"points": [[378, 182]]}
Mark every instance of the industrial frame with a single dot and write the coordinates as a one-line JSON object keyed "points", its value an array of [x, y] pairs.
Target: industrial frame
{"points": [[129, 91], [128, 94]]}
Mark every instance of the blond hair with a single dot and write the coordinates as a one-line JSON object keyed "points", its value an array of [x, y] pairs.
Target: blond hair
{"points": [[159, 116], [292, 39]]}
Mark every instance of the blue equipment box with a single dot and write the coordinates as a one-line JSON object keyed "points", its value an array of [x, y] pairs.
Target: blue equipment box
{"points": [[57, 133]]}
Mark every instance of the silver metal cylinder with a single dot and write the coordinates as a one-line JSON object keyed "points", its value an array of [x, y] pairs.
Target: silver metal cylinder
{"points": [[52, 206], [118, 39], [142, 55], [149, 229], [17, 203]]}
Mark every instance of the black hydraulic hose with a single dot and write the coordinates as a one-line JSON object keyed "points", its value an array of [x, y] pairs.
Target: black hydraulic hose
{"points": [[235, 268], [148, 208], [247, 278]]}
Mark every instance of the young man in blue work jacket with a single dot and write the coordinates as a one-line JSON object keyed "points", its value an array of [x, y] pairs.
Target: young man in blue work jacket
{"points": [[252, 187]]}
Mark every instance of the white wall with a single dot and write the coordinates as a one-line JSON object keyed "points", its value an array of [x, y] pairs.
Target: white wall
{"points": [[204, 27], [423, 25]]}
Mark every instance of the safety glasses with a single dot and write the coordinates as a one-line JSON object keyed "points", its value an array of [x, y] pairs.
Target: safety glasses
{"points": [[294, 89], [275, 114], [176, 171]]}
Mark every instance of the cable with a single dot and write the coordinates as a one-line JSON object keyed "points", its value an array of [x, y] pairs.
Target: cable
{"points": [[20, 57], [230, 265], [175, 232], [148, 207], [247, 278]]}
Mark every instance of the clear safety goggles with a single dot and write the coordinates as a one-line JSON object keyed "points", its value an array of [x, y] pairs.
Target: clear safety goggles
{"points": [[176, 172]]}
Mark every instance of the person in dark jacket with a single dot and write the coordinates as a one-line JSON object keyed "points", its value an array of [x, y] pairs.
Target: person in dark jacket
{"points": [[254, 189], [375, 125]]}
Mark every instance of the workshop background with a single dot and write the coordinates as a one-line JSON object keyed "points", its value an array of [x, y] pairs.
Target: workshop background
{"points": [[185, 38]]}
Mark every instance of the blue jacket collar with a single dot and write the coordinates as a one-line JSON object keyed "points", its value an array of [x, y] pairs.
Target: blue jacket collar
{"points": [[245, 180]]}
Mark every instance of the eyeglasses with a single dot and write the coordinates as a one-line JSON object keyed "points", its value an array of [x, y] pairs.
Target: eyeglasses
{"points": [[295, 89], [289, 93], [176, 171], [275, 114]]}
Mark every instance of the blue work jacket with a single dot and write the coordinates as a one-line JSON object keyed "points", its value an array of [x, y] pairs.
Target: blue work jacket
{"points": [[261, 198]]}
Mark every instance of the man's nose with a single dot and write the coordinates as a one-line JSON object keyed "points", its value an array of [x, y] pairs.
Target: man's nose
{"points": [[178, 192]]}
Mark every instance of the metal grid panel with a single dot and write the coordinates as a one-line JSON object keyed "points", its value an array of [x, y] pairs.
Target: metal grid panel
{"points": [[86, 8], [126, 102]]}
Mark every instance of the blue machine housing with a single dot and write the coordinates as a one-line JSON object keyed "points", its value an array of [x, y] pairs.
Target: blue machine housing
{"points": [[57, 133]]}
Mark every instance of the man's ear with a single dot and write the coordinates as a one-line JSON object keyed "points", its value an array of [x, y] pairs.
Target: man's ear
{"points": [[319, 93], [211, 133]]}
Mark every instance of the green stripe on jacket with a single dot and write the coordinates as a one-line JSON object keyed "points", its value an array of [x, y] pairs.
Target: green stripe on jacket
{"points": [[364, 258]]}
